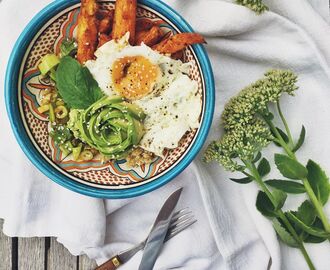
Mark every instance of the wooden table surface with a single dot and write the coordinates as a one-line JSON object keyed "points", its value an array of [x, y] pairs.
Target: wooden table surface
{"points": [[38, 254]]}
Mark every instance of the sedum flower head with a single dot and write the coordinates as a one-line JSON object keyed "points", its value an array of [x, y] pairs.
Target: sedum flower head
{"points": [[254, 99], [239, 143], [256, 5]]}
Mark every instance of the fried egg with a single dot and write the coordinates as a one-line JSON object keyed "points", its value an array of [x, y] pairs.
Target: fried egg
{"points": [[157, 83]]}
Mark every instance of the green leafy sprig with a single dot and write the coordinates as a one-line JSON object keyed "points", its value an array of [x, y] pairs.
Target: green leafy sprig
{"points": [[249, 128], [255, 5]]}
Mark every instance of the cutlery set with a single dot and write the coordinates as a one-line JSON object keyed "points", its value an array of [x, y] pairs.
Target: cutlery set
{"points": [[167, 225]]}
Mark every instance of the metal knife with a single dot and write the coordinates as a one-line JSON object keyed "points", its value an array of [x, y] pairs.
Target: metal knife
{"points": [[158, 232]]}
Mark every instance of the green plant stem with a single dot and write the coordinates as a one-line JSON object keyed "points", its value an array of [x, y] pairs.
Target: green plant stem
{"points": [[254, 172], [317, 205], [286, 126], [300, 243]]}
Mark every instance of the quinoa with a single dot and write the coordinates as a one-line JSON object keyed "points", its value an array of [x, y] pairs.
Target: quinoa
{"points": [[139, 157]]}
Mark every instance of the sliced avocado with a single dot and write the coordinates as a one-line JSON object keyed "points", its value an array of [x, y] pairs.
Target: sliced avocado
{"points": [[132, 109], [138, 132]]}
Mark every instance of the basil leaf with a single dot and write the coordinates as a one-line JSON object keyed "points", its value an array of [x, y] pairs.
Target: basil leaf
{"points": [[264, 205], [284, 235], [76, 84], [319, 181], [280, 198], [300, 140], [313, 231], [263, 167], [286, 186], [289, 167], [244, 180]]}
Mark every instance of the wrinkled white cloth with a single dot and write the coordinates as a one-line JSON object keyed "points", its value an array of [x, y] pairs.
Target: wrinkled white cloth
{"points": [[230, 233]]}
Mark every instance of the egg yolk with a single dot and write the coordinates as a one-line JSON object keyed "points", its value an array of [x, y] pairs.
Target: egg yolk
{"points": [[134, 76]]}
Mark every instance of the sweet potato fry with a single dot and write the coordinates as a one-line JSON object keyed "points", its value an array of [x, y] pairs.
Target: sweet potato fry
{"points": [[178, 42], [177, 55], [124, 19], [87, 34], [106, 21], [103, 38], [144, 24], [149, 37]]}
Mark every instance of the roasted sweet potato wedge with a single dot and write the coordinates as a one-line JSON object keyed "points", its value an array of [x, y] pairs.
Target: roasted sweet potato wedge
{"points": [[87, 33], [178, 42], [178, 55], [106, 21], [103, 38], [124, 19], [143, 24], [149, 37]]}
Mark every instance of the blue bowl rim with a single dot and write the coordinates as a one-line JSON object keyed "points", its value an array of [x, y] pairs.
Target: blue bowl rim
{"points": [[11, 100]]}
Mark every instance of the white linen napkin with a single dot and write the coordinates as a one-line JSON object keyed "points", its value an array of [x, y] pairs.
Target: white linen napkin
{"points": [[230, 233]]}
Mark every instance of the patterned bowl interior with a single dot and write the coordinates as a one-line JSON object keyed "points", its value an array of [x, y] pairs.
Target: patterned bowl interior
{"points": [[109, 175]]}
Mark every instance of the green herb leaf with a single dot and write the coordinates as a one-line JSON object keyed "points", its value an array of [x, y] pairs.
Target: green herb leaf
{"points": [[68, 47], [314, 239], [282, 134], [300, 140], [60, 134], [286, 186], [284, 235], [319, 181], [76, 84], [289, 167], [306, 213], [313, 231], [244, 180], [280, 198], [257, 157], [264, 205], [263, 167]]}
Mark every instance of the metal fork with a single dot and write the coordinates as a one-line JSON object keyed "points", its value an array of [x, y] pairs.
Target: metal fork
{"points": [[179, 222]]}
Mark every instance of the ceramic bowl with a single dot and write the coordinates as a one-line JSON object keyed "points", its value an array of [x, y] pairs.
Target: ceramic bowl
{"points": [[22, 92]]}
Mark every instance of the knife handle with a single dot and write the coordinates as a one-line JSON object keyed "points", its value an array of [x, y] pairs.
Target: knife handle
{"points": [[111, 264]]}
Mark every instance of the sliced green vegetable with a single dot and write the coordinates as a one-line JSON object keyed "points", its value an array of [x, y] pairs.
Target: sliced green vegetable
{"points": [[66, 148], [61, 112], [48, 62], [52, 74], [86, 155], [76, 151], [51, 114]]}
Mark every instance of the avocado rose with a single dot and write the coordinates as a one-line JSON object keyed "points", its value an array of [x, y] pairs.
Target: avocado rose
{"points": [[112, 126]]}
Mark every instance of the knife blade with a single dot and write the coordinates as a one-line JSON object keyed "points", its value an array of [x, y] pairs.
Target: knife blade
{"points": [[158, 232]]}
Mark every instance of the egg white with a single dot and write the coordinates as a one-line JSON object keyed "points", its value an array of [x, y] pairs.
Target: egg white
{"points": [[101, 67], [174, 105]]}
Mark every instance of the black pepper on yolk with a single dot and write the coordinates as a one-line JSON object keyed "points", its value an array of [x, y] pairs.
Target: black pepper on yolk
{"points": [[134, 76]]}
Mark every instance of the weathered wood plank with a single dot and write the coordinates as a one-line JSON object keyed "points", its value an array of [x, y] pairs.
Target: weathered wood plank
{"points": [[59, 258], [5, 250], [31, 253], [86, 264]]}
